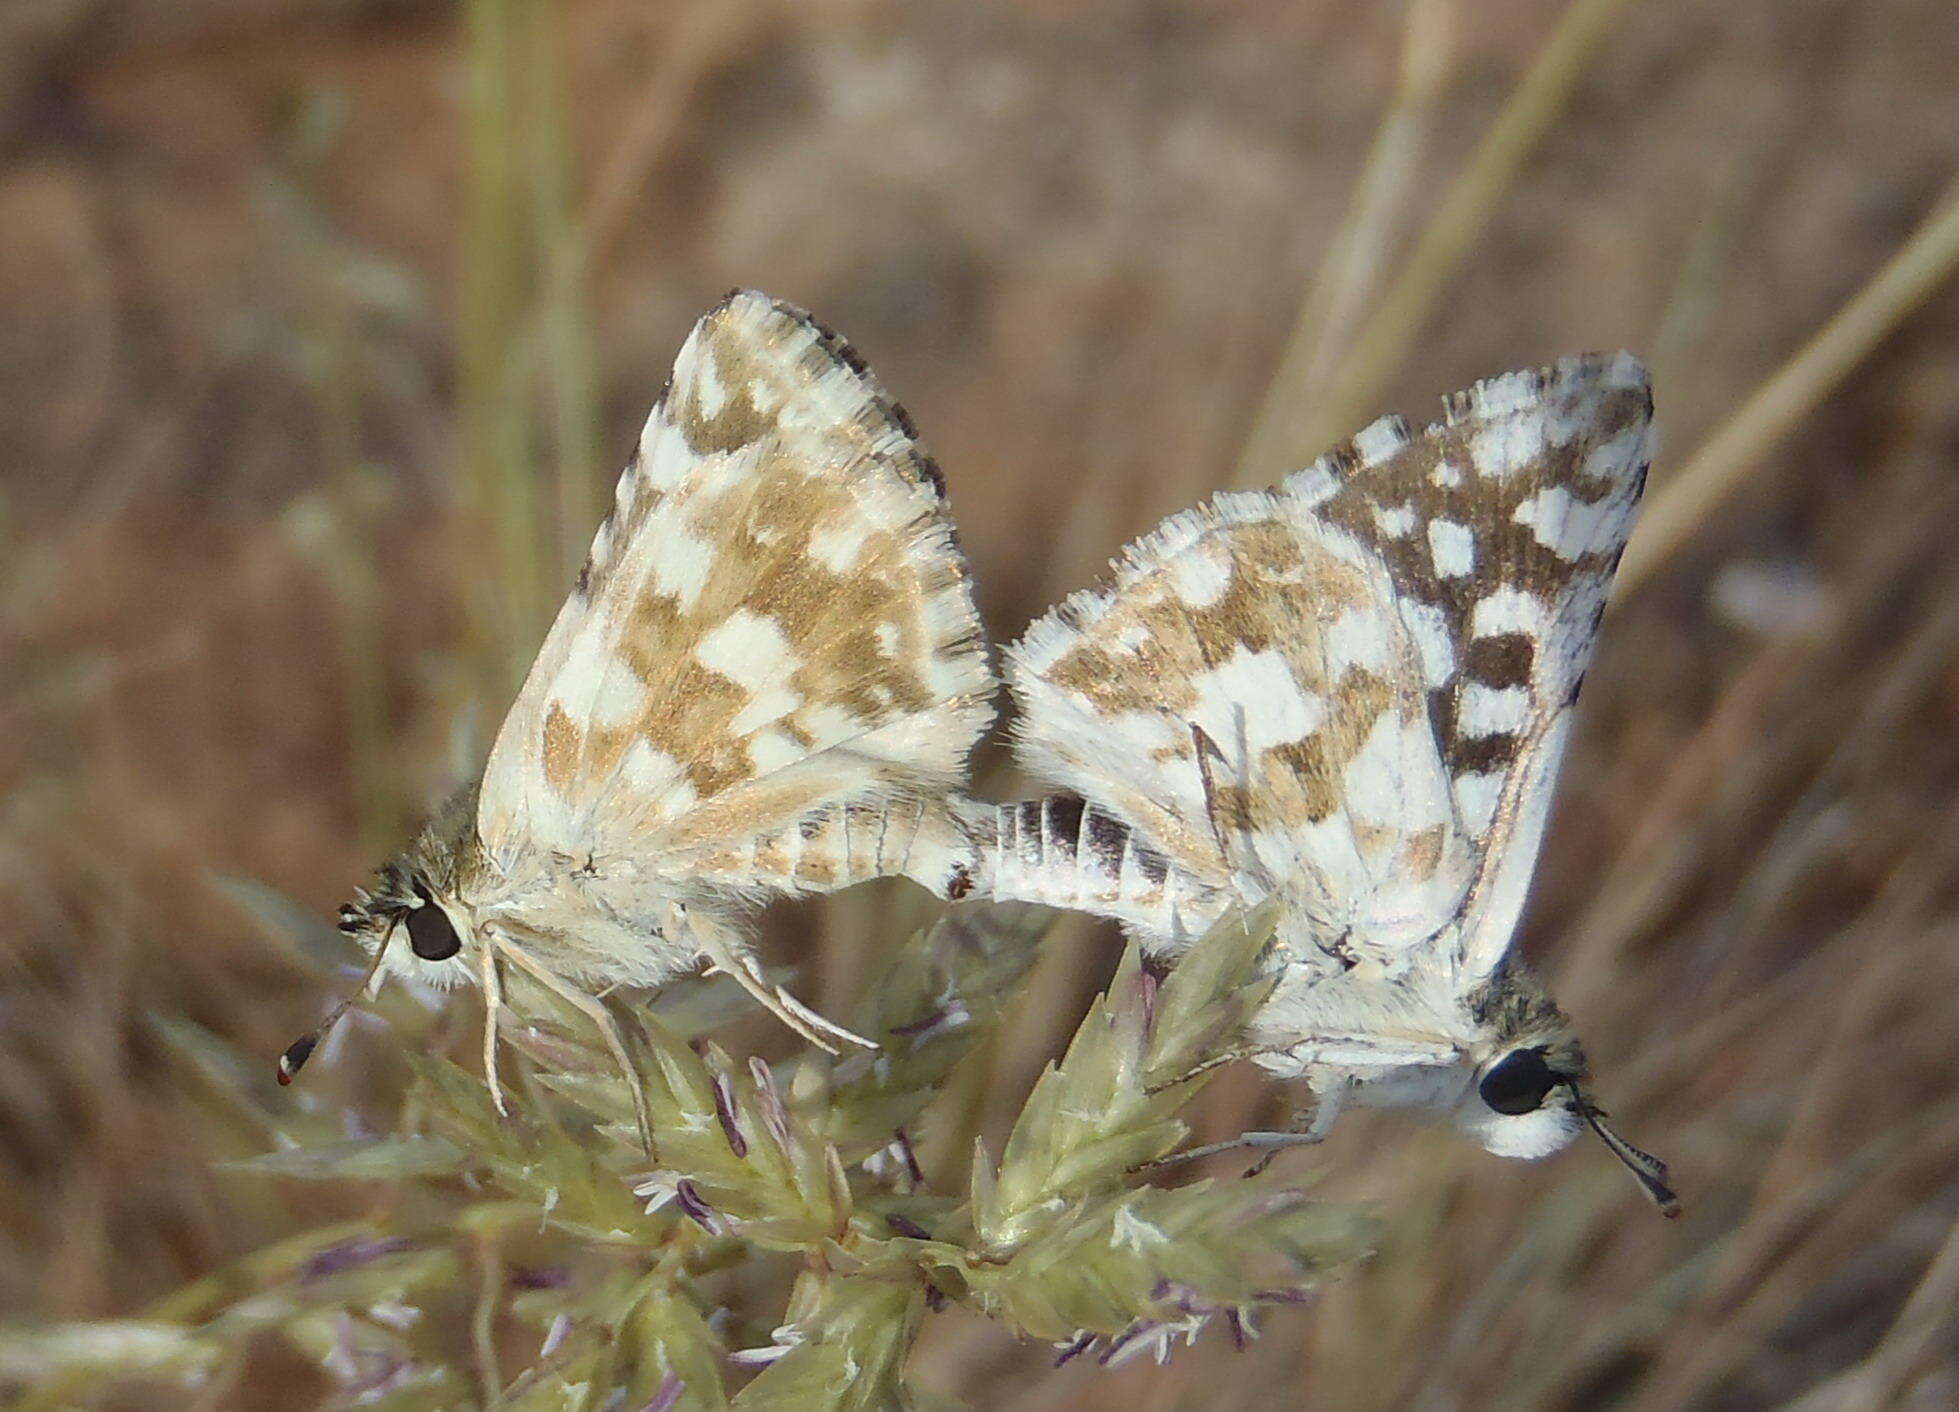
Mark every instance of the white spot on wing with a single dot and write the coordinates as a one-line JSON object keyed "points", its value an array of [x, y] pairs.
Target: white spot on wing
{"points": [[747, 648], [1379, 440], [770, 703], [665, 459], [1395, 523], [1312, 485], [1508, 445], [1391, 778], [680, 566], [826, 723], [1201, 577], [1611, 460], [1429, 626], [774, 750], [837, 547], [595, 688], [1483, 710], [1255, 692], [1357, 638], [653, 771], [1564, 524], [764, 394], [621, 699], [1453, 548], [1476, 800], [1505, 610]]}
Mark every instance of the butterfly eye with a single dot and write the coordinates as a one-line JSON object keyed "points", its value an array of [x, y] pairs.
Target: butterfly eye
{"points": [[431, 935], [1518, 1083]]}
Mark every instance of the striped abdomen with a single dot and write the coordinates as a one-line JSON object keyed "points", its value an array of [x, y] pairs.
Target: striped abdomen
{"points": [[1058, 851], [843, 844], [1062, 851]]}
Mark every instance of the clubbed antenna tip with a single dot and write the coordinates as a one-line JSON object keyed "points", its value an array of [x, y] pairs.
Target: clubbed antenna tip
{"points": [[296, 1055], [1648, 1170], [301, 1049]]}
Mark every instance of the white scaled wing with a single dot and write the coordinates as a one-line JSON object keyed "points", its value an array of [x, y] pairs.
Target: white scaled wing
{"points": [[1245, 697], [1354, 690], [1501, 527], [774, 623]]}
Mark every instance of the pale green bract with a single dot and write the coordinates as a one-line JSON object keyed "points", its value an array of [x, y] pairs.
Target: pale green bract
{"points": [[544, 1260]]}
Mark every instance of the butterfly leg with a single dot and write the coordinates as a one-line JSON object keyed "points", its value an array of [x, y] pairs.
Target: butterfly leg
{"points": [[1216, 1061], [492, 981], [1301, 1134], [594, 1010], [1306, 1131], [726, 955]]}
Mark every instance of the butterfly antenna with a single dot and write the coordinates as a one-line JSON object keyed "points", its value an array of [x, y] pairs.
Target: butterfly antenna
{"points": [[1649, 1170], [301, 1049]]}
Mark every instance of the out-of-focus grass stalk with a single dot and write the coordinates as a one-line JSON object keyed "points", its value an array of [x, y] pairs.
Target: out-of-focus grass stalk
{"points": [[499, 435], [353, 596], [334, 528], [693, 39], [1881, 1379], [1403, 311], [1693, 300], [1724, 460], [564, 337], [1351, 269]]}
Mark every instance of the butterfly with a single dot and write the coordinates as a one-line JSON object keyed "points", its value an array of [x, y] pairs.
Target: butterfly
{"points": [[1352, 692], [767, 676]]}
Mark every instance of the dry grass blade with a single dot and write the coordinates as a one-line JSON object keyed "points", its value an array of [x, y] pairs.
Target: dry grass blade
{"points": [[1402, 312], [1350, 271], [1690, 495], [1882, 1377]]}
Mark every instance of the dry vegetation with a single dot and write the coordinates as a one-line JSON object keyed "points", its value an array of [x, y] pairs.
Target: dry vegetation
{"points": [[324, 322]]}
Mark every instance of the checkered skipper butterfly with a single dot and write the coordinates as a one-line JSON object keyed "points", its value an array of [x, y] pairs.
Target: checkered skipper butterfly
{"points": [[769, 673], [1353, 692]]}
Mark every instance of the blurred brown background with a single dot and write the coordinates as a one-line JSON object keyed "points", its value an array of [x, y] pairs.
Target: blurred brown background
{"points": [[324, 322]]}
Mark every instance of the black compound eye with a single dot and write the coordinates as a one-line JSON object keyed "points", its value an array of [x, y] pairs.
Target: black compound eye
{"points": [[431, 936], [1519, 1082]]}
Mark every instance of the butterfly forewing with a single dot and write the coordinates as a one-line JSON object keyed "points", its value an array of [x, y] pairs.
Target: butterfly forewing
{"points": [[1500, 528], [775, 619], [1355, 689]]}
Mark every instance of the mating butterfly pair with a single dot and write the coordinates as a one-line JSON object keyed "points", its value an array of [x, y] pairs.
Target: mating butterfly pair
{"points": [[1351, 692]]}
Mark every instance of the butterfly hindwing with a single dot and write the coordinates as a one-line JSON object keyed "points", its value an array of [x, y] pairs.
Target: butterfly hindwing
{"points": [[1244, 694]]}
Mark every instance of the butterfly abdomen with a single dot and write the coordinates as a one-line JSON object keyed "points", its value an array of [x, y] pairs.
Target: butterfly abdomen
{"points": [[1063, 851], [842, 844]]}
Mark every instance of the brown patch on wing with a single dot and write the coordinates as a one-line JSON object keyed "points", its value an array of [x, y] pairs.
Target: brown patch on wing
{"points": [[1499, 660], [1421, 853], [1443, 477], [562, 743], [1151, 648]]}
